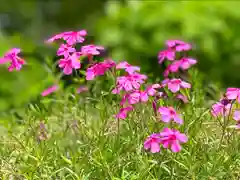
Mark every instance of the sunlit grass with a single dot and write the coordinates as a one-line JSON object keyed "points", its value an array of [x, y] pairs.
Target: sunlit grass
{"points": [[83, 140]]}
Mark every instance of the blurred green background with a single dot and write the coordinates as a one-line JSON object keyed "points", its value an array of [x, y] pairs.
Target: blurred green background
{"points": [[132, 30]]}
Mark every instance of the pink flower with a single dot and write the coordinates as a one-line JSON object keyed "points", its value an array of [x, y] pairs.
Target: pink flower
{"points": [[153, 143], [233, 93], [128, 68], [123, 112], [220, 109], [140, 96], [65, 50], [171, 43], [134, 97], [71, 37], [165, 82], [117, 89], [186, 63], [15, 61], [55, 38], [69, 63], [151, 90], [99, 69], [16, 64], [172, 138], [183, 47], [166, 54], [174, 67], [183, 98], [90, 50], [236, 117], [178, 45], [4, 60], [174, 85], [50, 90], [82, 89], [168, 114], [130, 82]]}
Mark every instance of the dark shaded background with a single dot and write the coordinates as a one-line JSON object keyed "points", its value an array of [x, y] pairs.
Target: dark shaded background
{"points": [[132, 30]]}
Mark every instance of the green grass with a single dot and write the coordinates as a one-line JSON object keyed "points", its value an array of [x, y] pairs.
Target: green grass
{"points": [[84, 141]]}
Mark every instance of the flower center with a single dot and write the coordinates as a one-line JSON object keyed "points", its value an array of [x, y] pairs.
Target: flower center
{"points": [[172, 112], [225, 101], [172, 138]]}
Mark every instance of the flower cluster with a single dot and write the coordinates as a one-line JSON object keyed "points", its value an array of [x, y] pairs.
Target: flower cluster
{"points": [[131, 87], [130, 84], [133, 90], [12, 56], [227, 107], [168, 138], [70, 56], [174, 46], [99, 69], [171, 138]]}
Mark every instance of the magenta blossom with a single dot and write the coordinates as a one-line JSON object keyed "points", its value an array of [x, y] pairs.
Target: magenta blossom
{"points": [[183, 47], [174, 85], [123, 112], [4, 60], [50, 90], [128, 67], [236, 117], [171, 43], [140, 96], [178, 45], [151, 90], [117, 89], [70, 63], [153, 143], [55, 38], [91, 50], [16, 64], [129, 82], [15, 61], [220, 109], [99, 69], [172, 68], [65, 50], [166, 54], [183, 98], [168, 114], [134, 97], [186, 63], [172, 138], [71, 37], [233, 93]]}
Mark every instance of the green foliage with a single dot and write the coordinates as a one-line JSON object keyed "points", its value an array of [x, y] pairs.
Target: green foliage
{"points": [[82, 141], [53, 16], [135, 31]]}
